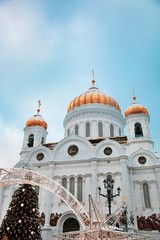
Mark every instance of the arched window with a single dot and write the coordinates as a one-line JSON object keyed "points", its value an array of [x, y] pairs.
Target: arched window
{"points": [[146, 195], [138, 130], [120, 132], [109, 177], [30, 140], [42, 140], [100, 129], [72, 185], [79, 188], [87, 129], [64, 182], [68, 132], [76, 129], [111, 131]]}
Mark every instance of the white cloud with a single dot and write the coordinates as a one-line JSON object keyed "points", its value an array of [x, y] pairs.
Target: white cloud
{"points": [[10, 146], [24, 31]]}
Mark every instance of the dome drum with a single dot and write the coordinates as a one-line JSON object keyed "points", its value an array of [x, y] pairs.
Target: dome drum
{"points": [[94, 114], [93, 108]]}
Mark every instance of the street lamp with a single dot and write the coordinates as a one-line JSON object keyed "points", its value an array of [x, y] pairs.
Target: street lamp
{"points": [[108, 185]]}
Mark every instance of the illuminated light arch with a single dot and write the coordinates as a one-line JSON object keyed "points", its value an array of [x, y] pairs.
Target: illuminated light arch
{"points": [[23, 176], [14, 176]]}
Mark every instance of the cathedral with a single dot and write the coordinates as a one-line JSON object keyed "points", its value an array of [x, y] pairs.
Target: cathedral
{"points": [[94, 150]]}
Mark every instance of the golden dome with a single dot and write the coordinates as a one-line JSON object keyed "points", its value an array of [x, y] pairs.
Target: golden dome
{"points": [[93, 95], [136, 108], [37, 119]]}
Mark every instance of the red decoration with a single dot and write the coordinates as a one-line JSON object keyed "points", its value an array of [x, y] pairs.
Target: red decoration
{"points": [[150, 223], [54, 219]]}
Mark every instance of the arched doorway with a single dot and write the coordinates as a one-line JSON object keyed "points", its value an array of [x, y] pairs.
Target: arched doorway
{"points": [[71, 224]]}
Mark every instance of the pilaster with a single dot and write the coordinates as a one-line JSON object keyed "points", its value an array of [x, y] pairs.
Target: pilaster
{"points": [[76, 187], [49, 197], [1, 200], [125, 182], [157, 171], [83, 191], [82, 129], [94, 177], [133, 200], [142, 197], [125, 179]]}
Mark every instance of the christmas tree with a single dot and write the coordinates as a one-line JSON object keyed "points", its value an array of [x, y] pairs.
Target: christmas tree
{"points": [[22, 218]]}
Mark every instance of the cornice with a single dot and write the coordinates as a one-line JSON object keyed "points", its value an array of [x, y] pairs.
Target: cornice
{"points": [[142, 168], [98, 160], [136, 141]]}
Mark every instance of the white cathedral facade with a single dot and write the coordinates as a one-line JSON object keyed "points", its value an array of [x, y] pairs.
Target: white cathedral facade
{"points": [[93, 149]]}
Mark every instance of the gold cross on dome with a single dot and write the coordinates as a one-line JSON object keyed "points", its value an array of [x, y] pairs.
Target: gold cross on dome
{"points": [[39, 104], [124, 198], [134, 97], [93, 81], [93, 73]]}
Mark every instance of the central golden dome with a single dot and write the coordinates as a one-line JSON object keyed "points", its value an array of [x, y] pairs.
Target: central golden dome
{"points": [[93, 95]]}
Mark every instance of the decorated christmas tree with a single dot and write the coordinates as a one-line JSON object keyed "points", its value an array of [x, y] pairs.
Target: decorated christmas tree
{"points": [[22, 218]]}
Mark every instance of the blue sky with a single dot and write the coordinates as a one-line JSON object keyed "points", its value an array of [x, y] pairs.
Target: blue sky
{"points": [[49, 48]]}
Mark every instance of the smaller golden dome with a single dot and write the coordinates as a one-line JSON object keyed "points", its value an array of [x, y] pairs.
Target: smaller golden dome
{"points": [[136, 108], [37, 119]]}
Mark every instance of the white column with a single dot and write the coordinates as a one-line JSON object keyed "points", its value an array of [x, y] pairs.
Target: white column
{"points": [[104, 124], [125, 179], [157, 170], [108, 134], [10, 193], [142, 196], [59, 200], [151, 196], [125, 182], [76, 186], [83, 191], [49, 197], [116, 130], [68, 183], [37, 138], [94, 129], [94, 177], [82, 129], [133, 200]]}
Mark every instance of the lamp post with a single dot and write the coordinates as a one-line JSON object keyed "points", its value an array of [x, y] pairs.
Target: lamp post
{"points": [[108, 185]]}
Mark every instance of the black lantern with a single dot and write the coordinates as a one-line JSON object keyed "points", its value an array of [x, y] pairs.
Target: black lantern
{"points": [[109, 185]]}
